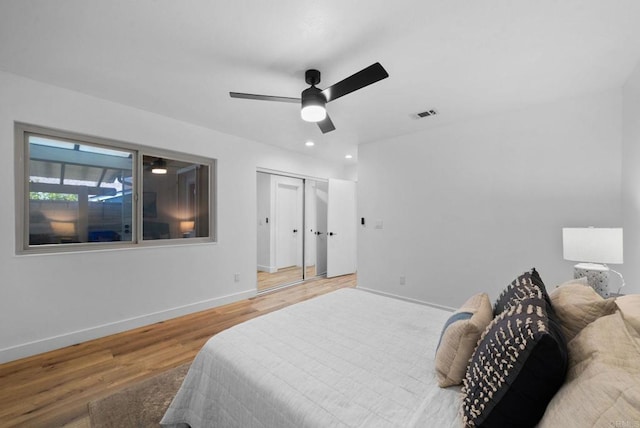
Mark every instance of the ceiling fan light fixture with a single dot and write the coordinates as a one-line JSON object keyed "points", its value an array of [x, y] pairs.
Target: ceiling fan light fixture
{"points": [[313, 113], [313, 105], [159, 167]]}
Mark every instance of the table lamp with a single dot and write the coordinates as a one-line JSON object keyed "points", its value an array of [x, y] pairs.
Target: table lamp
{"points": [[593, 248], [186, 227]]}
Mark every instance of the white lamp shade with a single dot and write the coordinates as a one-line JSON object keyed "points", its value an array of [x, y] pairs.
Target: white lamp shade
{"points": [[187, 226], [592, 245], [63, 228]]}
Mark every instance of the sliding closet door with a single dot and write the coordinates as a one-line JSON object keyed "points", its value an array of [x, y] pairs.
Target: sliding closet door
{"points": [[280, 230], [327, 232], [321, 197], [315, 238], [288, 220], [341, 227]]}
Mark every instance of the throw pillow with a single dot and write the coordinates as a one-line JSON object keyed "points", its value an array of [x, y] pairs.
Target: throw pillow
{"points": [[517, 367], [602, 387], [459, 337], [577, 305], [629, 305], [527, 285]]}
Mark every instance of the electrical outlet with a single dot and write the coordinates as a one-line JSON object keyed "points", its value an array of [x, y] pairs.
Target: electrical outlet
{"points": [[236, 277], [403, 280]]}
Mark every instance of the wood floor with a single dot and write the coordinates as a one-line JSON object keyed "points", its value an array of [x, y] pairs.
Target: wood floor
{"points": [[283, 276], [53, 389]]}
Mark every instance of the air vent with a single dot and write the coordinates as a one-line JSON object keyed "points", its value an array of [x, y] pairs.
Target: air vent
{"points": [[428, 113]]}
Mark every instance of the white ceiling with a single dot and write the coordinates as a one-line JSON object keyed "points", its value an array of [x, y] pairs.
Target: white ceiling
{"points": [[464, 58]]}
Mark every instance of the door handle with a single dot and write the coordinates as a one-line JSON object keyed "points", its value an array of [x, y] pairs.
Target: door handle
{"points": [[295, 230], [318, 233], [331, 233]]}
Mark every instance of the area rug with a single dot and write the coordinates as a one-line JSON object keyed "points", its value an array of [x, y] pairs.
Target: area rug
{"points": [[139, 405]]}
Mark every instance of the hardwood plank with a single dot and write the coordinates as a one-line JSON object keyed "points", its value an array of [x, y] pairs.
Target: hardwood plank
{"points": [[54, 388], [283, 276]]}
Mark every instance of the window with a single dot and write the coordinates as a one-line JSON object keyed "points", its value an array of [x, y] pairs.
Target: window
{"points": [[174, 199], [77, 192]]}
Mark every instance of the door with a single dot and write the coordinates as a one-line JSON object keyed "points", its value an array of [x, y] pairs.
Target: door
{"points": [[341, 228], [315, 228], [288, 226], [320, 242], [280, 230]]}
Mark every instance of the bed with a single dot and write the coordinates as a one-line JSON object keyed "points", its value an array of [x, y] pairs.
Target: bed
{"points": [[346, 359], [352, 358]]}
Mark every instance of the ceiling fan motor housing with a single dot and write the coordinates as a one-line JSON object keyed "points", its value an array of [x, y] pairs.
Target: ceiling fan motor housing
{"points": [[312, 77]]}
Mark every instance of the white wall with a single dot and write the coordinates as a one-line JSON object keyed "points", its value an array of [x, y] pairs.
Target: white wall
{"points": [[467, 207], [48, 301], [631, 181]]}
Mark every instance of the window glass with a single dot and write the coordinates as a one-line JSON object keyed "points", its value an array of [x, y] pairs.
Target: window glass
{"points": [[78, 192], [175, 199], [81, 192]]}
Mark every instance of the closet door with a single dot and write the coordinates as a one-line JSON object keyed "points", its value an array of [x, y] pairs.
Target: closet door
{"points": [[316, 228], [280, 230], [321, 197], [341, 228], [288, 217]]}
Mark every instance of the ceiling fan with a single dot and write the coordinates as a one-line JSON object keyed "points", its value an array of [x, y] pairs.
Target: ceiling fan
{"points": [[155, 165], [313, 100]]}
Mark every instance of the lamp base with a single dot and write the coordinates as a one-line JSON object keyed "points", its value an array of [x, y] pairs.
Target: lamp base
{"points": [[597, 276]]}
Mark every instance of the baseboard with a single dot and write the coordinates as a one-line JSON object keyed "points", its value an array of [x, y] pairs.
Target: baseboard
{"points": [[49, 344], [407, 299], [269, 269]]}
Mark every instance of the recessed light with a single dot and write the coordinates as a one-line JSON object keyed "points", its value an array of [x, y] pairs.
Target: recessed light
{"points": [[309, 144], [348, 156]]}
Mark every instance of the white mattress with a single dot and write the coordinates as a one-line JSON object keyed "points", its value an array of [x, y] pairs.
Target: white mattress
{"points": [[346, 359]]}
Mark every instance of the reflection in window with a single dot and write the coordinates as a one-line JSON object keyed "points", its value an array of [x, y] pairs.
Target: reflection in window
{"points": [[89, 193], [175, 199], [78, 192]]}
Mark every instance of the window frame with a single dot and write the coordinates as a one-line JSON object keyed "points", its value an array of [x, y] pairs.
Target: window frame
{"points": [[23, 130]]}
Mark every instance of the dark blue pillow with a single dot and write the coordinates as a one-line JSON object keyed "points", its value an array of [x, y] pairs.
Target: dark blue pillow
{"points": [[527, 285], [519, 364]]}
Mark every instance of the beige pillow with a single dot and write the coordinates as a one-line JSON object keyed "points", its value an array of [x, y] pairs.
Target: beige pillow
{"points": [[459, 337], [577, 305], [630, 307], [602, 385]]}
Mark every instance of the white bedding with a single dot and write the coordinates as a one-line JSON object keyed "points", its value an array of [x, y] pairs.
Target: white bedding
{"points": [[346, 359]]}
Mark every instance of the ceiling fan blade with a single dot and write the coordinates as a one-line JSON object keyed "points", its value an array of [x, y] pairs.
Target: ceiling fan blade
{"points": [[264, 97], [362, 78], [326, 125]]}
